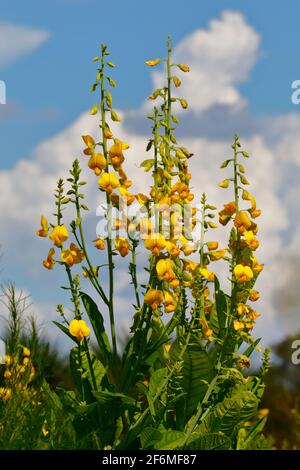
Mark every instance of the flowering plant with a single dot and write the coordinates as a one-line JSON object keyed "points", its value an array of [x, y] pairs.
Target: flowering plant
{"points": [[180, 381]]}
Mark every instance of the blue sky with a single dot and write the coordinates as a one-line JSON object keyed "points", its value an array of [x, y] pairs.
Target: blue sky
{"points": [[49, 87], [48, 95]]}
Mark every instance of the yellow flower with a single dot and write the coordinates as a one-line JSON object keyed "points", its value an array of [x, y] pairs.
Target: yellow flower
{"points": [[238, 325], [209, 275], [263, 412], [44, 430], [256, 267], [253, 315], [108, 182], [156, 243], [251, 240], [216, 255], [242, 221], [226, 213], [7, 374], [243, 362], [97, 163], [153, 297], [43, 231], [254, 295], [212, 245], [108, 133], [88, 140], [142, 198], [49, 262], [207, 332], [242, 273], [26, 352], [255, 213], [100, 244], [172, 248], [186, 247], [59, 235], [164, 269], [122, 245], [170, 302], [79, 329], [129, 198], [5, 393], [243, 309], [224, 184], [8, 360], [190, 265], [152, 63], [183, 67], [72, 256], [116, 154]]}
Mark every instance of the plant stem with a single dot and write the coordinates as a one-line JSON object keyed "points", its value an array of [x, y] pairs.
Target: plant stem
{"points": [[133, 273], [108, 238]]}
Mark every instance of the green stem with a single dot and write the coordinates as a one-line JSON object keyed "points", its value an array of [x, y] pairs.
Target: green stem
{"points": [[134, 274], [90, 364], [108, 238]]}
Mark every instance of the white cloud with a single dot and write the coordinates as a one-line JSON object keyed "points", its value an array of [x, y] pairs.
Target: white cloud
{"points": [[220, 59], [16, 41]]}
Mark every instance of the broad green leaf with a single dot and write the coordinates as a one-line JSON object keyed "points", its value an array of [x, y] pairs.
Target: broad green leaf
{"points": [[210, 441], [197, 371], [149, 436], [156, 385], [85, 370], [170, 440], [232, 411]]}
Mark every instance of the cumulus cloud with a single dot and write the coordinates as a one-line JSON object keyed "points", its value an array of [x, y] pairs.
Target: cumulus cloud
{"points": [[221, 58], [16, 41]]}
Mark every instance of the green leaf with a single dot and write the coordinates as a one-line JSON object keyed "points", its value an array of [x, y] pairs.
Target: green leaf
{"points": [[232, 411], [111, 82], [149, 436], [244, 180], [81, 366], [246, 441], [170, 440], [105, 397], [156, 385], [66, 331], [93, 87], [97, 322], [147, 164], [108, 98], [210, 441], [225, 163], [251, 348], [221, 308], [197, 371]]}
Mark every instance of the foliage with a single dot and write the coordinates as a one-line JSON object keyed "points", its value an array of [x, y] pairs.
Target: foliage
{"points": [[179, 383]]}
